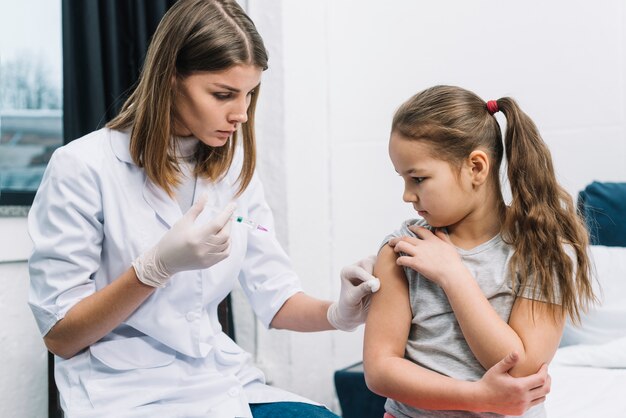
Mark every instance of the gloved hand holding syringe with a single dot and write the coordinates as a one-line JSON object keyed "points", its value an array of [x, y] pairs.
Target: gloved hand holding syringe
{"points": [[190, 245]]}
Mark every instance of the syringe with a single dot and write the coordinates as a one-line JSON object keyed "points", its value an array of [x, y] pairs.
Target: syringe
{"points": [[248, 223]]}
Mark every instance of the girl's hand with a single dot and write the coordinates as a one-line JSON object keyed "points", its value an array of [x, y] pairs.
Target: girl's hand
{"points": [[501, 393], [432, 255]]}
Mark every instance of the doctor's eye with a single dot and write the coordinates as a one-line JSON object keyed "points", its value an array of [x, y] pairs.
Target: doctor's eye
{"points": [[222, 96]]}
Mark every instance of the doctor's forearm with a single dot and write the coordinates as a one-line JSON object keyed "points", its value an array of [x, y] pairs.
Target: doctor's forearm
{"points": [[303, 313], [98, 314]]}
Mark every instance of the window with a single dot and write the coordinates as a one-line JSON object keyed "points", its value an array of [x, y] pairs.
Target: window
{"points": [[31, 116]]}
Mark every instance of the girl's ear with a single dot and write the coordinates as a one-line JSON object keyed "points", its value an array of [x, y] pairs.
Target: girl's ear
{"points": [[478, 164]]}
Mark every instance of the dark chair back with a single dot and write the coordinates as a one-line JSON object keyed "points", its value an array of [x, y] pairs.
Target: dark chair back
{"points": [[355, 399]]}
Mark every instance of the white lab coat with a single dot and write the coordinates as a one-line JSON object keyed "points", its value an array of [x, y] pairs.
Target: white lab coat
{"points": [[93, 214]]}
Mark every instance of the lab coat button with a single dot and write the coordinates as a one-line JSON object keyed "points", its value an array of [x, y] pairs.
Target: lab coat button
{"points": [[191, 316], [233, 392]]}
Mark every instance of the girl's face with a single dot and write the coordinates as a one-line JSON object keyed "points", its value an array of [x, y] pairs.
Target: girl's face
{"points": [[438, 191], [211, 105]]}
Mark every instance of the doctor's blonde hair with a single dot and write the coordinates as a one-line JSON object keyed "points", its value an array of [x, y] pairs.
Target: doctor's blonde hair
{"points": [[193, 36], [541, 221]]}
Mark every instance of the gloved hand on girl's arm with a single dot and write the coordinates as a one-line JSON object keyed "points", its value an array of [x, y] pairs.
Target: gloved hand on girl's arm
{"points": [[357, 286]]}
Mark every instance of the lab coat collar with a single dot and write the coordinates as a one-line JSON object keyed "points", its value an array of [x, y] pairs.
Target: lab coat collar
{"points": [[168, 209], [165, 207], [120, 144]]}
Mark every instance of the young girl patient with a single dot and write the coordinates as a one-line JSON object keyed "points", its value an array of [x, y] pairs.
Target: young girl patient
{"points": [[473, 280]]}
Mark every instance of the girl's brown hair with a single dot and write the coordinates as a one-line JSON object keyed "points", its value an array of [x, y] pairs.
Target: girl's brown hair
{"points": [[193, 36], [541, 221]]}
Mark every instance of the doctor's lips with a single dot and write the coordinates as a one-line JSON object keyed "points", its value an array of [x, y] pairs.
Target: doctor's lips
{"points": [[247, 222], [224, 134]]}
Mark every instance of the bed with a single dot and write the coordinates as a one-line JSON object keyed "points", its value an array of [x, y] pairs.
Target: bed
{"points": [[587, 392], [589, 369]]}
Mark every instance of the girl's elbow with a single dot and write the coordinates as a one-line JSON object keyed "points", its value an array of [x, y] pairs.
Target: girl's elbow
{"points": [[526, 366], [374, 377], [373, 383]]}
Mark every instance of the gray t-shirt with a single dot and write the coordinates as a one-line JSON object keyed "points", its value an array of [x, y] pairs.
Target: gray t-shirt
{"points": [[435, 340]]}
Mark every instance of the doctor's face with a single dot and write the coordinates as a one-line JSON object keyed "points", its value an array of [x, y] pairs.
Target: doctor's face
{"points": [[211, 105]]}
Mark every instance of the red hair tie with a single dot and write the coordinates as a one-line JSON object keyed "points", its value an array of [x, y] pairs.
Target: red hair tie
{"points": [[492, 107]]}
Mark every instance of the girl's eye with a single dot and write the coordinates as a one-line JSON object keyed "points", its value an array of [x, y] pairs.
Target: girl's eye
{"points": [[418, 180]]}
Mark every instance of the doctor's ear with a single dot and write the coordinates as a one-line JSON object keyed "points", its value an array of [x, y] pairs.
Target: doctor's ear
{"points": [[478, 164]]}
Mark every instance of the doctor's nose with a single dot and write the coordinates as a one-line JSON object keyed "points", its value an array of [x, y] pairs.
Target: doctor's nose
{"points": [[239, 112], [238, 117]]}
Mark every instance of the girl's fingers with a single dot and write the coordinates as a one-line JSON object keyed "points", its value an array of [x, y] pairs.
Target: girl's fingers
{"points": [[538, 383], [403, 261], [537, 401], [411, 240], [421, 232], [442, 234], [405, 247]]}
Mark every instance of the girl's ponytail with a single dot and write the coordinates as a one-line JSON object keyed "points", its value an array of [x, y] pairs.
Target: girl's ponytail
{"points": [[541, 222]]}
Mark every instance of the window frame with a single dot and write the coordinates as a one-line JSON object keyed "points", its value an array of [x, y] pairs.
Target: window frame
{"points": [[42, 71]]}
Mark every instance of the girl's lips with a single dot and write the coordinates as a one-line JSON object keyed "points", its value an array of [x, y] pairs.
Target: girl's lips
{"points": [[422, 213]]}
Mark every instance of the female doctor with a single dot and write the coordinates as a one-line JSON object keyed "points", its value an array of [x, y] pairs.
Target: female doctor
{"points": [[134, 247]]}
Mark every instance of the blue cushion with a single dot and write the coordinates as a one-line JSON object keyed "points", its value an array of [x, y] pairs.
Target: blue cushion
{"points": [[603, 206]]}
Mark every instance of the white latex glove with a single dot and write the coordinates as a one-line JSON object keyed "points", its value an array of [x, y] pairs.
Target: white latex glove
{"points": [[357, 286], [187, 246]]}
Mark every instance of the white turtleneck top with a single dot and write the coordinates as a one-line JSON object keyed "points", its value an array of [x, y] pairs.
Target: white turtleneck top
{"points": [[185, 149]]}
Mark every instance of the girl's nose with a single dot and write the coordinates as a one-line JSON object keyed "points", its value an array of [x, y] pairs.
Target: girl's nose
{"points": [[408, 197]]}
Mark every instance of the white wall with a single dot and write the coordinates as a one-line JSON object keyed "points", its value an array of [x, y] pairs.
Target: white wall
{"points": [[23, 357], [338, 70]]}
